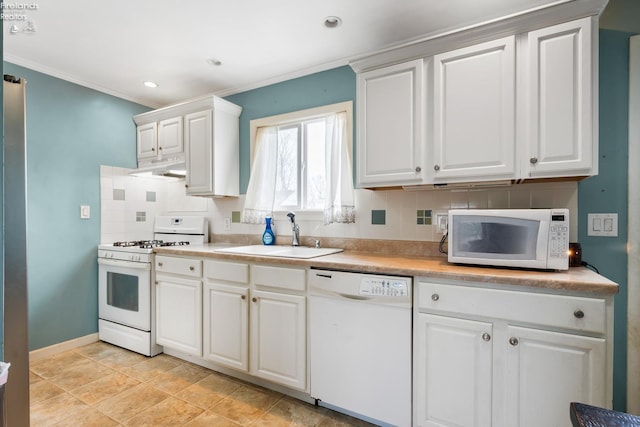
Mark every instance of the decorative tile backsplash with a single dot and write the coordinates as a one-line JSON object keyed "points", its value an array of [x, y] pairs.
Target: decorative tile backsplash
{"points": [[381, 215]]}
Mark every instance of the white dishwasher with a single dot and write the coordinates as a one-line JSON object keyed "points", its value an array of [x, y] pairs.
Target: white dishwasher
{"points": [[360, 344]]}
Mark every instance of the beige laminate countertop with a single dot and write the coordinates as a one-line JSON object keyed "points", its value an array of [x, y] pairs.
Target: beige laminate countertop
{"points": [[576, 279]]}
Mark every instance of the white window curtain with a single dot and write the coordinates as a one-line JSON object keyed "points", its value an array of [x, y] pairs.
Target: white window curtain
{"points": [[262, 183], [339, 204]]}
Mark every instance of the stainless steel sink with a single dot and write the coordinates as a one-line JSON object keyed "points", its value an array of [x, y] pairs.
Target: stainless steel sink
{"points": [[280, 251]]}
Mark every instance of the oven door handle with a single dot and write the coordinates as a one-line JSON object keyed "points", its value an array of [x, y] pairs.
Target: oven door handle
{"points": [[127, 264]]}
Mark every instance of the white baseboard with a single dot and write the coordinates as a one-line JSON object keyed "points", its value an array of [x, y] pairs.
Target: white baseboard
{"points": [[51, 350]]}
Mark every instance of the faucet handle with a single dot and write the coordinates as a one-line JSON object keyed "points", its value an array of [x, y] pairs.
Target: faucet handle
{"points": [[317, 242]]}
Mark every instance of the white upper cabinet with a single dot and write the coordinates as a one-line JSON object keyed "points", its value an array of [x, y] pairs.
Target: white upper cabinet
{"points": [[213, 147], [170, 137], [477, 108], [147, 137], [390, 140], [474, 112], [562, 111]]}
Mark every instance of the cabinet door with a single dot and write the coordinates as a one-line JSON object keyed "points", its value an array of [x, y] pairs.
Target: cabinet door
{"points": [[170, 137], [390, 120], [453, 372], [546, 371], [278, 338], [147, 141], [179, 313], [199, 143], [474, 113], [562, 102], [226, 325]]}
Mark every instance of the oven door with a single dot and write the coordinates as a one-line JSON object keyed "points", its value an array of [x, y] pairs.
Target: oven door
{"points": [[124, 293]]}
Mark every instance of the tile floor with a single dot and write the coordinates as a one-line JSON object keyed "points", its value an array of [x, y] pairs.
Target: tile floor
{"points": [[103, 385]]}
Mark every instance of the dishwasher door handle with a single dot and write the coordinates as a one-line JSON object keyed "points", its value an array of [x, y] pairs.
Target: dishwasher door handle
{"points": [[356, 297]]}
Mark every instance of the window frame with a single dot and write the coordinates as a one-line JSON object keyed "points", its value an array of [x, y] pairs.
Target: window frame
{"points": [[295, 117]]}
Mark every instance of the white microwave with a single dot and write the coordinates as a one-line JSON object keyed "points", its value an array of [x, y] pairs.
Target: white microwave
{"points": [[523, 238]]}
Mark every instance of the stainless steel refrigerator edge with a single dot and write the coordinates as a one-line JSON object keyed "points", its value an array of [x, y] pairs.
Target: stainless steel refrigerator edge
{"points": [[16, 343]]}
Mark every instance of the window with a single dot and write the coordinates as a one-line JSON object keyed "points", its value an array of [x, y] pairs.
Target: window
{"points": [[292, 156], [301, 171]]}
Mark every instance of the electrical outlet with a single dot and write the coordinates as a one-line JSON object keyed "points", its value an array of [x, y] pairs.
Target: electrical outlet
{"points": [[227, 224], [442, 218]]}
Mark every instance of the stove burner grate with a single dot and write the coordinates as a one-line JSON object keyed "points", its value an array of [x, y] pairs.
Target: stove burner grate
{"points": [[148, 244]]}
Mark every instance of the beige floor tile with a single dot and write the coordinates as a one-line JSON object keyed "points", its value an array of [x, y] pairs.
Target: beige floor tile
{"points": [[179, 378], [34, 378], [80, 374], [56, 409], [289, 412], [210, 419], [131, 402], [150, 368], [43, 390], [104, 388], [169, 412], [246, 404], [209, 391], [111, 356], [52, 366], [89, 417]]}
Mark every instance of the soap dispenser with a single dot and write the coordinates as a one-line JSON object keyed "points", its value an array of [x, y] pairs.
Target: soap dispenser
{"points": [[268, 238]]}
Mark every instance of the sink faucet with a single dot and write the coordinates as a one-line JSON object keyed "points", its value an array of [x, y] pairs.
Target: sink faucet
{"points": [[295, 229]]}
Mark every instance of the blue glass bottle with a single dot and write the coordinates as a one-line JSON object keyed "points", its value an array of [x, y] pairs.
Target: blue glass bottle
{"points": [[268, 238]]}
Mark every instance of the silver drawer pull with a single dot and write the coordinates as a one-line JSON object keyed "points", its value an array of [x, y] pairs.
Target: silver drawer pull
{"points": [[579, 314], [513, 341], [435, 297], [486, 337]]}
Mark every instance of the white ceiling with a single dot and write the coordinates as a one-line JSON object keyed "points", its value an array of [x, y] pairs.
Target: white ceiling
{"points": [[115, 46]]}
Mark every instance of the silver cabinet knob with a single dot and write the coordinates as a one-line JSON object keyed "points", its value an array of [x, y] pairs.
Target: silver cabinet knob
{"points": [[513, 341], [243, 297], [579, 314], [436, 168], [533, 160], [157, 282], [486, 337], [254, 299], [418, 169], [159, 148], [191, 268], [159, 264], [153, 149], [435, 297]]}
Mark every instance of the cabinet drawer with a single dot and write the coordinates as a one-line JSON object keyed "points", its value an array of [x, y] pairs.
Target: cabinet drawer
{"points": [[182, 266], [278, 277], [567, 312], [226, 271]]}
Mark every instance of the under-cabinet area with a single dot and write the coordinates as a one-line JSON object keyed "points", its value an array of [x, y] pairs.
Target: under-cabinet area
{"points": [[449, 349]]}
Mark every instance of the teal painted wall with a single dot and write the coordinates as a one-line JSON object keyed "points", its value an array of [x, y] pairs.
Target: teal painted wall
{"points": [[324, 88], [71, 131], [607, 192]]}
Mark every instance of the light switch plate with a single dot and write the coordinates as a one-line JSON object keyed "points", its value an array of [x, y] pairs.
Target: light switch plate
{"points": [[85, 211], [602, 224]]}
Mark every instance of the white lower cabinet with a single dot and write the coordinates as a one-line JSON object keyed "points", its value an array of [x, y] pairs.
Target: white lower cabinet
{"points": [[454, 371], [278, 338], [502, 358], [179, 304], [259, 327]]}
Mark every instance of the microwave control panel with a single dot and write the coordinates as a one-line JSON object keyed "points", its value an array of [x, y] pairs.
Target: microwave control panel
{"points": [[559, 236]]}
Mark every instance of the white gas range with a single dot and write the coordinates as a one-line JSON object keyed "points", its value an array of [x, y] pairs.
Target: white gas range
{"points": [[126, 297]]}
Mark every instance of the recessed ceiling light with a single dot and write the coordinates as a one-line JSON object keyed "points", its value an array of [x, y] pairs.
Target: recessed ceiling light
{"points": [[215, 62], [150, 84], [332, 22]]}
